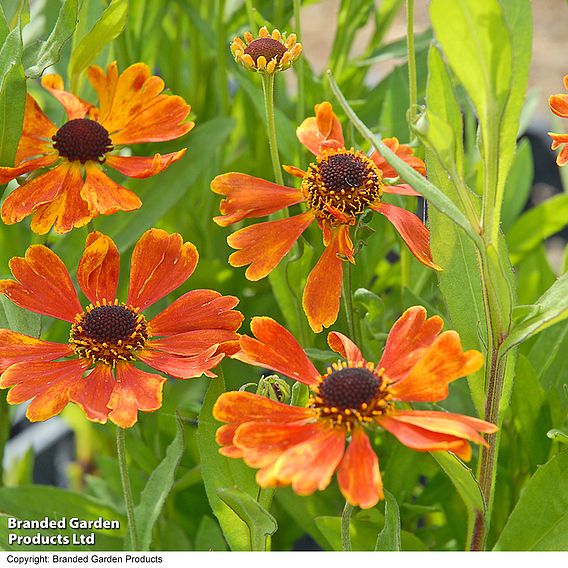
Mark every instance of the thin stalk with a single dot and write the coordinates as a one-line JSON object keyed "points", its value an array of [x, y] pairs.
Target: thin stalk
{"points": [[250, 15], [126, 488], [299, 66], [268, 92], [4, 434], [347, 297], [412, 84], [345, 526], [221, 68]]}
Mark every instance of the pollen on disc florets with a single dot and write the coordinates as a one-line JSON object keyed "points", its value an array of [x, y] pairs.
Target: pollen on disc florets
{"points": [[341, 184], [268, 52], [108, 332], [351, 394], [82, 139]]}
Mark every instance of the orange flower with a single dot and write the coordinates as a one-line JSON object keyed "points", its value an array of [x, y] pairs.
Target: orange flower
{"points": [[559, 106], [95, 369], [303, 447], [131, 110], [336, 189]]}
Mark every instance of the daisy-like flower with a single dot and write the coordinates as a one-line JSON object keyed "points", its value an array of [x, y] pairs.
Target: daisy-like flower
{"points": [[303, 447], [336, 189], [268, 52], [132, 109], [559, 106], [97, 368]]}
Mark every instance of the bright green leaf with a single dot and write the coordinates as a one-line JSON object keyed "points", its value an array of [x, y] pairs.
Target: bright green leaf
{"points": [[389, 537]]}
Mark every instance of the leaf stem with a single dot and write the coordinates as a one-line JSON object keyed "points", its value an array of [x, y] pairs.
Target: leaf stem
{"points": [[126, 488], [268, 91], [345, 526]]}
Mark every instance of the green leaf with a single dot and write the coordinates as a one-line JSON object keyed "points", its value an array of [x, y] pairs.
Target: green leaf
{"points": [[157, 489], [106, 29], [42, 54], [17, 319], [551, 308], [209, 535], [260, 522], [539, 520], [389, 537], [220, 472]]}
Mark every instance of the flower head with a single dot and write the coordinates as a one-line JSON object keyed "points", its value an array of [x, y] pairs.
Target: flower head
{"points": [[268, 53], [559, 106], [97, 369], [132, 109], [303, 447], [337, 188]]}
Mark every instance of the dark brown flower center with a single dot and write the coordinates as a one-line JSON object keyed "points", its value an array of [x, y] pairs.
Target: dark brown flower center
{"points": [[341, 185], [108, 333], [82, 139], [268, 47], [348, 395]]}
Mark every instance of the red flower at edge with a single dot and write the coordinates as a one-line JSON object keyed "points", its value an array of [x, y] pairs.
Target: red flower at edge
{"points": [[96, 369], [336, 189], [303, 447]]}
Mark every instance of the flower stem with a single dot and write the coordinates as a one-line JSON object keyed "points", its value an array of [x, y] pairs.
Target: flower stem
{"points": [[345, 526], [268, 91], [4, 434], [347, 297], [300, 100], [126, 488], [412, 88]]}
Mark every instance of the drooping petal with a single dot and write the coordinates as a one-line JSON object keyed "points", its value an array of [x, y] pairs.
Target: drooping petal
{"points": [[104, 195], [74, 106], [322, 127], [562, 158], [441, 363], [407, 341], [198, 310], [8, 174], [560, 141], [264, 245], [359, 475], [276, 348], [19, 348], [559, 105], [99, 268], [47, 383], [183, 367], [412, 230], [307, 466], [36, 134], [404, 152], [322, 293], [68, 210], [42, 284], [143, 167], [240, 406], [250, 197], [197, 341], [345, 347], [92, 393], [134, 390], [424, 440], [160, 263]]}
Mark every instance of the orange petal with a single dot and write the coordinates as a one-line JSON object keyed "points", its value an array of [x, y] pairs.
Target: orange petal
{"points": [[48, 383], [104, 195], [67, 210], [8, 174], [224, 438], [405, 153], [197, 341], [307, 466], [443, 362], [74, 106], [407, 341], [359, 475], [262, 443], [559, 105], [241, 406], [143, 167], [412, 230], [264, 245], [294, 171], [320, 128], [99, 268], [105, 86], [198, 310], [322, 293], [400, 189], [345, 347], [182, 367], [562, 158], [36, 134], [43, 285], [250, 197], [425, 440], [558, 139], [92, 393], [160, 263], [277, 349], [134, 390], [18, 348]]}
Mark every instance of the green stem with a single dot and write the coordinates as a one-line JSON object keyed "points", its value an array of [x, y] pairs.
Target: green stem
{"points": [[4, 434], [347, 297], [412, 88], [250, 15], [90, 226], [300, 100], [345, 526], [221, 47], [126, 488], [268, 91]]}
